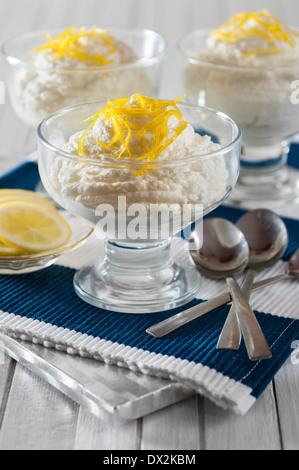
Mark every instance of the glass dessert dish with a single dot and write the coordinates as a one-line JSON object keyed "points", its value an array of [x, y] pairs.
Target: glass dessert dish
{"points": [[248, 70], [49, 71], [27, 263], [140, 170]]}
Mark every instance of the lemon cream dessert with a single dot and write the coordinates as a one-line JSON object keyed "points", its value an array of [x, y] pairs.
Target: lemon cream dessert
{"points": [[246, 69], [144, 150], [76, 66]]}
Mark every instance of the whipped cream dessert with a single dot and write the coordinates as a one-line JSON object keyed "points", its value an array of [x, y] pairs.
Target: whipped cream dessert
{"points": [[78, 65], [142, 149], [252, 39], [245, 69]]}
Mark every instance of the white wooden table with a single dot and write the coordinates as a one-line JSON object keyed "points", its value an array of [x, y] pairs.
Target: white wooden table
{"points": [[33, 414]]}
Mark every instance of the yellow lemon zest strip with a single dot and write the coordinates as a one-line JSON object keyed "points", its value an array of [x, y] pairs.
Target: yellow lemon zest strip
{"points": [[262, 51], [252, 32], [122, 116], [271, 29], [67, 44]]}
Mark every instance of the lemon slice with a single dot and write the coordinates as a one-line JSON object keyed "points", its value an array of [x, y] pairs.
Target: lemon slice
{"points": [[6, 250], [7, 195], [32, 227]]}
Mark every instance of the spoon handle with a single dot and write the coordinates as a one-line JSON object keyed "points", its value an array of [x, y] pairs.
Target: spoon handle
{"points": [[255, 341], [165, 327], [230, 337]]}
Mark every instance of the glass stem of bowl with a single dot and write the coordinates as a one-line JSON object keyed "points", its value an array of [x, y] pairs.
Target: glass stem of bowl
{"points": [[136, 266]]}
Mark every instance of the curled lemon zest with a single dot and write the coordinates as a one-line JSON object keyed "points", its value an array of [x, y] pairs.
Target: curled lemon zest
{"points": [[270, 29], [154, 134], [68, 44]]}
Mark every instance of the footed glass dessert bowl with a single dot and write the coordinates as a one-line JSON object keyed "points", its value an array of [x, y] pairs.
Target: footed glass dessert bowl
{"points": [[141, 171], [50, 70], [249, 69]]}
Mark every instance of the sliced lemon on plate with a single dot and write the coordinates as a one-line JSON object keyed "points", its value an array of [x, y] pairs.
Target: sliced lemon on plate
{"points": [[7, 195], [6, 250], [29, 227]]}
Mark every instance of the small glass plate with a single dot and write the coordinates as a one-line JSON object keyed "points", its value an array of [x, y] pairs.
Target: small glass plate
{"points": [[81, 231]]}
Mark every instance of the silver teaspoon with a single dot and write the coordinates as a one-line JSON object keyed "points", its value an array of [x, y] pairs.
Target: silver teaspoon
{"points": [[224, 252], [174, 322], [267, 238]]}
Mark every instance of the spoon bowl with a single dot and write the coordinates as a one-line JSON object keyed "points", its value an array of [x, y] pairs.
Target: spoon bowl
{"points": [[223, 252], [293, 268], [266, 235], [267, 238], [170, 324]]}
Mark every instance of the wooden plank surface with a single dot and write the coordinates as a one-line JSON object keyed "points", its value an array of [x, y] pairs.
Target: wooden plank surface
{"points": [[170, 425], [287, 392], [257, 430], [34, 415], [91, 434]]}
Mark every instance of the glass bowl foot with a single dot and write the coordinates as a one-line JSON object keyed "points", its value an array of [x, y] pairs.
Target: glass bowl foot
{"points": [[269, 191], [156, 284]]}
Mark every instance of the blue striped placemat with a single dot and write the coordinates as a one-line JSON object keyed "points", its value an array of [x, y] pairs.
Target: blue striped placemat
{"points": [[43, 307]]}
